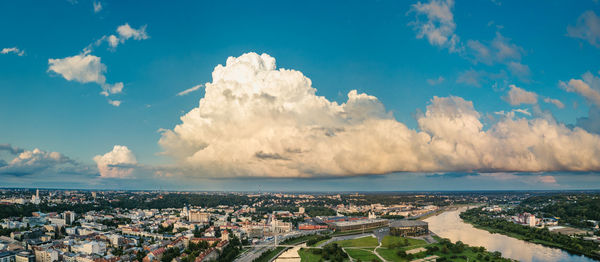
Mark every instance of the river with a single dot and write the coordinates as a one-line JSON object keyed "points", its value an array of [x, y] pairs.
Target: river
{"points": [[449, 225]]}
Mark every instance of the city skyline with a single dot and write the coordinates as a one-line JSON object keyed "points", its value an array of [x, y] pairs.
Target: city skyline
{"points": [[353, 96]]}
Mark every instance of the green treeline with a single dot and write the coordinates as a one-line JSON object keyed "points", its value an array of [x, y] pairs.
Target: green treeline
{"points": [[542, 236]]}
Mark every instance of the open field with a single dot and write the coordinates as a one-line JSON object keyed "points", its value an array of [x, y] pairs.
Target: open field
{"points": [[359, 242], [363, 255], [399, 241]]}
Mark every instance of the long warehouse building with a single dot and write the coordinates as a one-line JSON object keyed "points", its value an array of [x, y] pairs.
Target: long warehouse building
{"points": [[358, 224]]}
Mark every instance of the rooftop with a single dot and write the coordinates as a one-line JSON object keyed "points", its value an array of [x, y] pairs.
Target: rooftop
{"points": [[358, 222], [407, 223]]}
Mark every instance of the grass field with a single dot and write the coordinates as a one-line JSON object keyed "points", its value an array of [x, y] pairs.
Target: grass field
{"points": [[466, 255], [320, 242], [307, 256], [387, 240], [361, 254], [389, 254], [359, 242]]}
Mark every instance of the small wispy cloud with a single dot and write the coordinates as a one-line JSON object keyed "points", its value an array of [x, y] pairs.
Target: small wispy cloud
{"points": [[126, 32], [12, 50], [587, 28], [189, 90], [97, 7], [555, 102], [435, 22], [435, 81], [114, 102]]}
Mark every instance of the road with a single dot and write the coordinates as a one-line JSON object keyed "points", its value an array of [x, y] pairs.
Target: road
{"points": [[381, 233], [263, 246]]}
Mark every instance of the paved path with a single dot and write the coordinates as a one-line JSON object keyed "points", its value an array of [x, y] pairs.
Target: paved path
{"points": [[291, 255], [351, 259], [377, 254]]}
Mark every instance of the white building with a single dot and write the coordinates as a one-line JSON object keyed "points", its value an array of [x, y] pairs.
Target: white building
{"points": [[531, 220], [58, 221], [46, 255], [198, 216], [90, 247], [12, 224], [36, 198]]}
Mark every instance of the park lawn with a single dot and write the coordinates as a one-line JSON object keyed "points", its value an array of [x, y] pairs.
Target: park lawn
{"points": [[307, 256], [387, 240], [468, 253], [363, 255], [320, 242], [389, 254], [359, 242]]}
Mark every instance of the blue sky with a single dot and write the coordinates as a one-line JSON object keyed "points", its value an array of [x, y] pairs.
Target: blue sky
{"points": [[380, 48]]}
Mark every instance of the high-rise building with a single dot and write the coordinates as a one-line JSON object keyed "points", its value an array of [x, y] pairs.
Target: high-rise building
{"points": [[532, 221], [69, 217], [198, 216]]}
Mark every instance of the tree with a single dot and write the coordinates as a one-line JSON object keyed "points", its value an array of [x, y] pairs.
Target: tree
{"points": [[444, 250], [170, 254], [401, 253], [139, 256]]}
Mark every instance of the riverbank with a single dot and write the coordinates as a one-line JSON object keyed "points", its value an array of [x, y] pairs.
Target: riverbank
{"points": [[442, 210], [499, 226], [450, 225]]}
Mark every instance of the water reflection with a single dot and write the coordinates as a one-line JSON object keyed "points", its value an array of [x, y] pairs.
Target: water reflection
{"points": [[449, 225]]}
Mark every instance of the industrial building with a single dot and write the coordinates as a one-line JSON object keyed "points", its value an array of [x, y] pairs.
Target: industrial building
{"points": [[358, 224], [409, 228]]}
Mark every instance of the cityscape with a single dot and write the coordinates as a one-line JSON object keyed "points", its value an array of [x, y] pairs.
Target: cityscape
{"points": [[85, 225], [299, 131]]}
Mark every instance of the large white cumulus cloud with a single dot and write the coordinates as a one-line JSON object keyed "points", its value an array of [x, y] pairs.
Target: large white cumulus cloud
{"points": [[118, 163], [257, 120]]}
